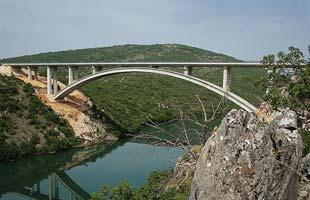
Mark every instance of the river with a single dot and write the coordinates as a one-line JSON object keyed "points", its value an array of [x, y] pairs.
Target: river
{"points": [[75, 174]]}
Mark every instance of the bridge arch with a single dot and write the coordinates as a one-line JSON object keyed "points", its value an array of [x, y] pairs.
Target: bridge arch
{"points": [[210, 86]]}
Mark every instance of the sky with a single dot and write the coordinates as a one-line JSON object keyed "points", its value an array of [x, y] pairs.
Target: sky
{"points": [[245, 29]]}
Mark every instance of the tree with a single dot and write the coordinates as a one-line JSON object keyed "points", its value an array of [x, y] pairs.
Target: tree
{"points": [[288, 86], [288, 79]]}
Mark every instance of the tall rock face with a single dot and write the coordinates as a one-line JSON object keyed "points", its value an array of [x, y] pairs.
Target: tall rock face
{"points": [[248, 158]]}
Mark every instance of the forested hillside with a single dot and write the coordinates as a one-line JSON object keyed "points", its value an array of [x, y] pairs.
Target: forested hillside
{"points": [[27, 126], [130, 52]]}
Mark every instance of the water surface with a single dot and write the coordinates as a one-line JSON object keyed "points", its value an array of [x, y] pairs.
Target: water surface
{"points": [[75, 174]]}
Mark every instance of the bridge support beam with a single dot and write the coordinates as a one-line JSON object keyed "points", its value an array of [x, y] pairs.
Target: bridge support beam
{"points": [[35, 72], [73, 74], [29, 73], [227, 79], [70, 75], [96, 69], [188, 70], [55, 79], [49, 80], [52, 187]]}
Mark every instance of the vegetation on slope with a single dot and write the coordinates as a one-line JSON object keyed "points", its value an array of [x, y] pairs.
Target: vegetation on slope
{"points": [[131, 100], [290, 89], [155, 189], [27, 126], [158, 52]]}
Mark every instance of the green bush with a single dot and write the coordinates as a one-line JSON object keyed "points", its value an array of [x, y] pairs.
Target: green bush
{"points": [[154, 189], [22, 113], [289, 90]]}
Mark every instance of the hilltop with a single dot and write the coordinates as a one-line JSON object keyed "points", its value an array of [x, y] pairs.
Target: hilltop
{"points": [[131, 100], [129, 52]]}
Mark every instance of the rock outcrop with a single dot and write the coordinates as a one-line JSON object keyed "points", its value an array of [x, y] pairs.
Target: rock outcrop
{"points": [[249, 158]]}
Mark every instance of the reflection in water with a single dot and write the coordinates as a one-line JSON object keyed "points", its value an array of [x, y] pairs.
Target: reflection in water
{"points": [[74, 174], [56, 183], [24, 177]]}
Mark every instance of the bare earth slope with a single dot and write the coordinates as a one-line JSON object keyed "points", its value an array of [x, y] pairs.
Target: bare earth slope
{"points": [[73, 109]]}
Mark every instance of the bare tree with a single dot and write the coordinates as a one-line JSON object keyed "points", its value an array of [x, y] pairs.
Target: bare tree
{"points": [[184, 136]]}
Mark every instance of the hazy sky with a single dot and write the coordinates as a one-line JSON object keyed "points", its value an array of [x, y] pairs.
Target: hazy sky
{"points": [[246, 29]]}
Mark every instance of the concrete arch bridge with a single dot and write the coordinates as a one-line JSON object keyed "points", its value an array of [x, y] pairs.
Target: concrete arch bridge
{"points": [[75, 82]]}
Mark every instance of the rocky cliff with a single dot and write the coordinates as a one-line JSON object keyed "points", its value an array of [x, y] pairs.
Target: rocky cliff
{"points": [[251, 158]]}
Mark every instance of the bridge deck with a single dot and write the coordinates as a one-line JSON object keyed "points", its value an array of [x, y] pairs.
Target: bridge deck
{"points": [[145, 64]]}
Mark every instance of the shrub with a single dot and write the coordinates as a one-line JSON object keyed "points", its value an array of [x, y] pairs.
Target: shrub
{"points": [[289, 89]]}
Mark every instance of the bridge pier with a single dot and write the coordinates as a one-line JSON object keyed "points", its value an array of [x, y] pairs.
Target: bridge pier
{"points": [[55, 80], [227, 79], [96, 69], [29, 73], [188, 70], [36, 72], [52, 187], [73, 74], [49, 80], [52, 80], [70, 75]]}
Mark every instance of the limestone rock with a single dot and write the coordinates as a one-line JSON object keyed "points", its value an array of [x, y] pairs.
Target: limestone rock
{"points": [[304, 188], [249, 158]]}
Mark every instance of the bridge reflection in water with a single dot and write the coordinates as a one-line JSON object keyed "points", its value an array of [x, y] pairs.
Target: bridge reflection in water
{"points": [[45, 177], [55, 181]]}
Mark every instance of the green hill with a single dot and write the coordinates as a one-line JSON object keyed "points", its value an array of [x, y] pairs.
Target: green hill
{"points": [[26, 125], [131, 100], [130, 52]]}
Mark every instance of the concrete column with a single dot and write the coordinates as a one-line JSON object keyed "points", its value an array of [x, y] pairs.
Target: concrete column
{"points": [[70, 75], [55, 79], [56, 187], [94, 69], [29, 72], [75, 73], [71, 196], [38, 189], [49, 80], [51, 187], [188, 70], [36, 72], [226, 79]]}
